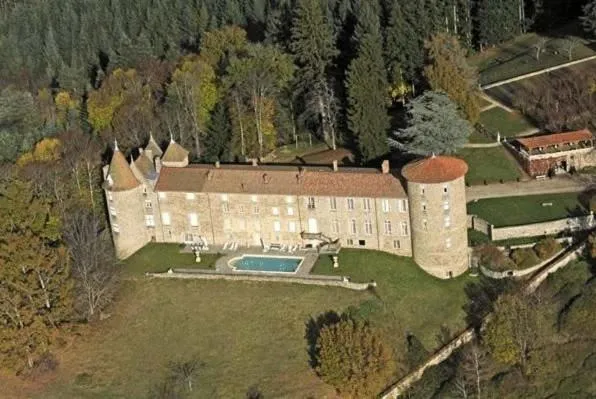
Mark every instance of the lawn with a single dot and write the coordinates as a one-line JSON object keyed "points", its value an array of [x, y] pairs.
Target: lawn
{"points": [[245, 334], [480, 137], [155, 258], [512, 211], [506, 123], [489, 164], [517, 57]]}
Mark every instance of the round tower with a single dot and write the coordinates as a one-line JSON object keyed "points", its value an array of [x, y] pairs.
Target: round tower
{"points": [[438, 217]]}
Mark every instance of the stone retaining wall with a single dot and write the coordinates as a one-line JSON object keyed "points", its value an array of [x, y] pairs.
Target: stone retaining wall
{"points": [[545, 228], [519, 273], [564, 261], [320, 280], [479, 224]]}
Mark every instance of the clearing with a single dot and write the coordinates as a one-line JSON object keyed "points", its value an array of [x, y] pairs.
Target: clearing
{"points": [[513, 211]]}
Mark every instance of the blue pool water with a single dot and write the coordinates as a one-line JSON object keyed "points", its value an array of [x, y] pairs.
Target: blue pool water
{"points": [[266, 264]]}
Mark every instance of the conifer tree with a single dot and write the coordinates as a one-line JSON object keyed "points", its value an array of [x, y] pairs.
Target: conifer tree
{"points": [[367, 86], [314, 46], [497, 21], [589, 18]]}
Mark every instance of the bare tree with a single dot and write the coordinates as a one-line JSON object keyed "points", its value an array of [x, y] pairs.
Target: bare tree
{"points": [[472, 371], [185, 372], [540, 45], [569, 45], [94, 264]]}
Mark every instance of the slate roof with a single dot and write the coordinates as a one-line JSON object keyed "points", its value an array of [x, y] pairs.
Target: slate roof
{"points": [[145, 166], [435, 169]]}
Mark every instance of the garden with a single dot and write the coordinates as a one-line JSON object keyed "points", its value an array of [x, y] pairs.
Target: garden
{"points": [[514, 211], [500, 260], [246, 336]]}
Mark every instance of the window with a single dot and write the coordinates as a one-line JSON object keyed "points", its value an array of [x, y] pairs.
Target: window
{"points": [[403, 205], [144, 190], [424, 207], [362, 243], [290, 211], [353, 226], [387, 225], [385, 205], [227, 225], [292, 227], [404, 228], [349, 241], [366, 204], [446, 189], [112, 211], [275, 210], [396, 244], [333, 203], [425, 224], [224, 197], [289, 199], [190, 196], [311, 203], [241, 209], [115, 228], [312, 225], [188, 237], [193, 218], [335, 227], [367, 227], [448, 243], [423, 190], [241, 224], [148, 204], [350, 204], [162, 195], [149, 221], [255, 209], [110, 196], [257, 225], [276, 226], [447, 221], [165, 219], [253, 198], [225, 207], [446, 205]]}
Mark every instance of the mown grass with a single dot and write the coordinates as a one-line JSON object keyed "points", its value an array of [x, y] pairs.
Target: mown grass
{"points": [[512, 211], [246, 334], [508, 124], [490, 165], [156, 258]]}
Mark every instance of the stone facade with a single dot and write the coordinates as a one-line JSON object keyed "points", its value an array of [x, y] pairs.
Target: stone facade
{"points": [[260, 205]]}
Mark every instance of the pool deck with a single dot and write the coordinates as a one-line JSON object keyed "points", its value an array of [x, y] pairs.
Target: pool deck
{"points": [[310, 258]]}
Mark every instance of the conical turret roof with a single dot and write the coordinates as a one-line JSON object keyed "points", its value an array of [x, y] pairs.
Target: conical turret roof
{"points": [[153, 147], [175, 153], [121, 177], [145, 166]]}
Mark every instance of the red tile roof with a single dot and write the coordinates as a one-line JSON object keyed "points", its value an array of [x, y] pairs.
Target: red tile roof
{"points": [[556, 139], [281, 180], [436, 169]]}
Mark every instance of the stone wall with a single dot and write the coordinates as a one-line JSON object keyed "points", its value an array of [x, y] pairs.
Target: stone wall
{"points": [[519, 273], [127, 220], [479, 224], [545, 228]]}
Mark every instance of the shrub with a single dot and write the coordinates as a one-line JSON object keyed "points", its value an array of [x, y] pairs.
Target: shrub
{"points": [[493, 258], [546, 248], [524, 258], [353, 357]]}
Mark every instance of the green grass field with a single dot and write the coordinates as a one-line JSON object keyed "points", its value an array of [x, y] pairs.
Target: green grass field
{"points": [[155, 258], [245, 333], [512, 211], [478, 137], [507, 123], [517, 57], [488, 164]]}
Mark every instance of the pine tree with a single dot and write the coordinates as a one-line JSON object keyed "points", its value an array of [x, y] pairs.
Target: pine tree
{"points": [[367, 86], [497, 21], [314, 47], [434, 126], [589, 18], [448, 71]]}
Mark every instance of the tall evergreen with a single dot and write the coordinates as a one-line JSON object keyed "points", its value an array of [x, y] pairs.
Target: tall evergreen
{"points": [[314, 46], [367, 87], [498, 21]]}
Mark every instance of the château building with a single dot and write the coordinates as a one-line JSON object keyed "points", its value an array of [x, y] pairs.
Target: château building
{"points": [[161, 197]]}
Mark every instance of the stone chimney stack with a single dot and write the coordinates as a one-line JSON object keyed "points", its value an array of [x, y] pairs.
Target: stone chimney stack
{"points": [[335, 165], [157, 164], [385, 167], [217, 164], [255, 162]]}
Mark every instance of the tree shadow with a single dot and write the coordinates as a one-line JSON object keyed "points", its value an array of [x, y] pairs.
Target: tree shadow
{"points": [[482, 295], [313, 330]]}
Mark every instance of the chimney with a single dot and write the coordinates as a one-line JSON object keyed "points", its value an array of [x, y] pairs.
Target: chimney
{"points": [[335, 165], [157, 164], [217, 164], [255, 162], [385, 167]]}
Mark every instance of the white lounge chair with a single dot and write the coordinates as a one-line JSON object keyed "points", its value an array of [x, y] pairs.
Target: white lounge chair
{"points": [[283, 248], [226, 245]]}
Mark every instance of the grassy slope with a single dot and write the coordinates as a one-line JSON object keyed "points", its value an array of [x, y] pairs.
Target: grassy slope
{"points": [[507, 123], [490, 164], [246, 333], [511, 211]]}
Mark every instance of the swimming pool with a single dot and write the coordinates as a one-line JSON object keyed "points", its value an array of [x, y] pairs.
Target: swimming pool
{"points": [[271, 264]]}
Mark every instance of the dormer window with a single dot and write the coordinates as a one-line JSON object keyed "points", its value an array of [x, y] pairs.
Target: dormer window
{"points": [[110, 180]]}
